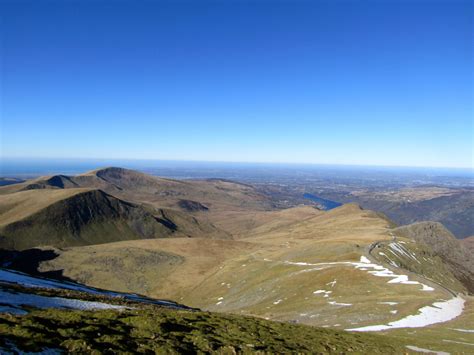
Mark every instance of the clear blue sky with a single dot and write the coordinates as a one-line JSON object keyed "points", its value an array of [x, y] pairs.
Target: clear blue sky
{"points": [[341, 82]]}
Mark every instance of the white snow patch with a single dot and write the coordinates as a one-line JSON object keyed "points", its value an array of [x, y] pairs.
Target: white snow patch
{"points": [[365, 265], [18, 299], [402, 251], [464, 330], [422, 350], [389, 303], [19, 278], [394, 311], [458, 342], [438, 312], [340, 304], [277, 301], [332, 283]]}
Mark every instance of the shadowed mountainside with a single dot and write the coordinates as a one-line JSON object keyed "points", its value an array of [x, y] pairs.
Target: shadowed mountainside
{"points": [[76, 216]]}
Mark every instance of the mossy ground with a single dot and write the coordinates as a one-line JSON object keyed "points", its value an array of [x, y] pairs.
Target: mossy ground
{"points": [[160, 330]]}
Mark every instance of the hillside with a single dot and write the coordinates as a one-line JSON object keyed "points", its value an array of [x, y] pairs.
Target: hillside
{"points": [[344, 269], [338, 269], [77, 216], [138, 187], [468, 243], [49, 317], [197, 206], [452, 251], [454, 207]]}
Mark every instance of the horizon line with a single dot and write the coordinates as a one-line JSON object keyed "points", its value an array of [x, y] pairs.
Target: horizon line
{"points": [[241, 162]]}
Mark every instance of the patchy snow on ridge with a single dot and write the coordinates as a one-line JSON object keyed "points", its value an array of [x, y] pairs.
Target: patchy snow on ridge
{"points": [[17, 299], [380, 271], [438, 312], [15, 277], [403, 251]]}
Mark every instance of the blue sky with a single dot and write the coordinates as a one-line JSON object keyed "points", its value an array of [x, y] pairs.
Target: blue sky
{"points": [[339, 82]]}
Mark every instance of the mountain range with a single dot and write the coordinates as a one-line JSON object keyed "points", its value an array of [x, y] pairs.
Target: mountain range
{"points": [[224, 247]]}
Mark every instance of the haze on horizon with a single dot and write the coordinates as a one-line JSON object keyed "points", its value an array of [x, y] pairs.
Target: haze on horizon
{"points": [[328, 82]]}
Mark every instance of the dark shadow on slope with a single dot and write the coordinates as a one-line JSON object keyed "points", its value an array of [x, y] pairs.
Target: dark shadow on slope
{"points": [[28, 261]]}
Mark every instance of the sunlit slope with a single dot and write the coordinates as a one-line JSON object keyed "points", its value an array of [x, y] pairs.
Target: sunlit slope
{"points": [[318, 271], [214, 194], [242, 224], [445, 246], [307, 272], [207, 208], [78, 216], [170, 268]]}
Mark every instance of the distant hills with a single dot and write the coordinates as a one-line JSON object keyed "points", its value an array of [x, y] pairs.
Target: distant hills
{"points": [[454, 208], [114, 204]]}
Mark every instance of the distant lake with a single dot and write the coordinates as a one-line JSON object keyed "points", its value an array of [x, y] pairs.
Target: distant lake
{"points": [[327, 204]]}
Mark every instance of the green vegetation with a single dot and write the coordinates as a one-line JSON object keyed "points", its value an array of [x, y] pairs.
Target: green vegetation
{"points": [[419, 259], [157, 330]]}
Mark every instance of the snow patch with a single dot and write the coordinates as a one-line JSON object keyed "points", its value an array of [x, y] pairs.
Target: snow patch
{"points": [[332, 283], [18, 299], [340, 304], [19, 278], [422, 350], [457, 342], [464, 330], [438, 312]]}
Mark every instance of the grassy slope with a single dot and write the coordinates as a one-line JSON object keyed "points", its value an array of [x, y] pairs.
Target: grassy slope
{"points": [[127, 266], [249, 275], [72, 217], [167, 331], [445, 246], [79, 216], [167, 199], [138, 187], [17, 206]]}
